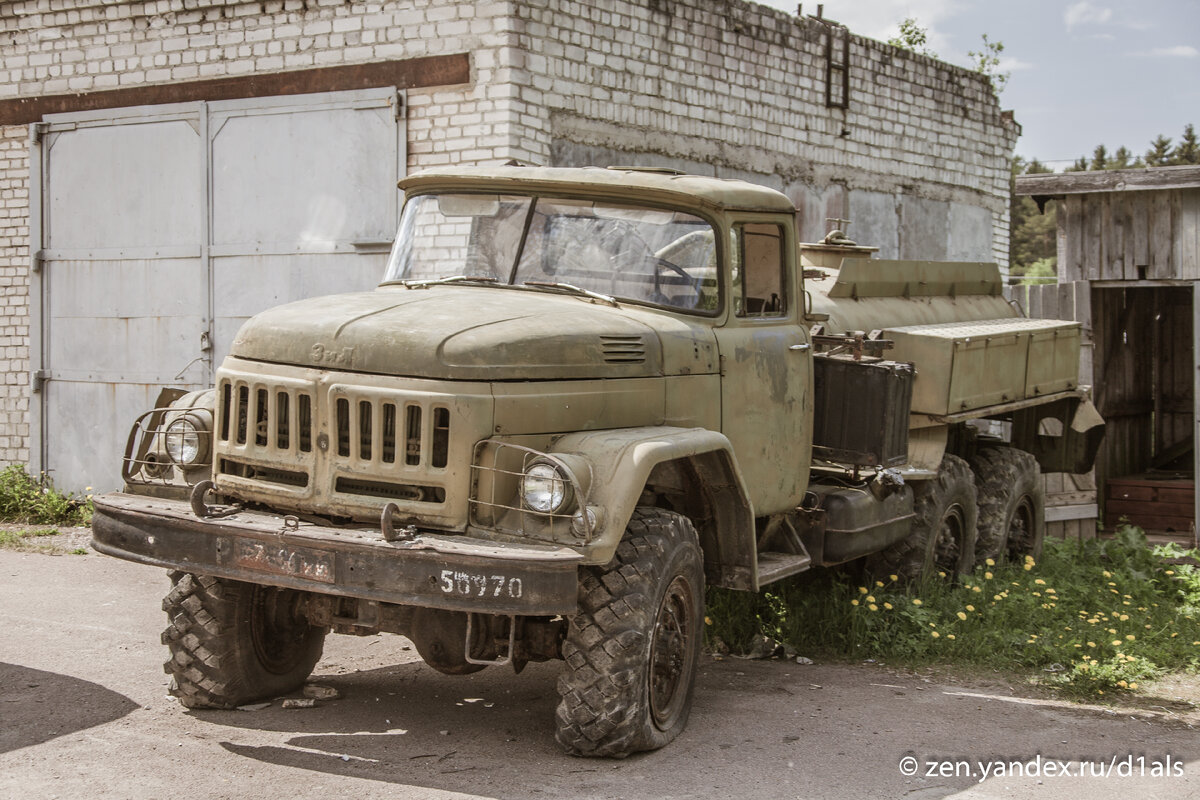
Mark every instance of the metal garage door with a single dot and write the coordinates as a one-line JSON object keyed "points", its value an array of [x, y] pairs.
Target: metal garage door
{"points": [[163, 228]]}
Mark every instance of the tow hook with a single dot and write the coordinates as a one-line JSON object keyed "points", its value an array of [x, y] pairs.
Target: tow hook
{"points": [[204, 510], [387, 526]]}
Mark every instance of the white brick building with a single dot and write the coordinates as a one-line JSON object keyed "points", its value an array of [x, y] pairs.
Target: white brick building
{"points": [[130, 248]]}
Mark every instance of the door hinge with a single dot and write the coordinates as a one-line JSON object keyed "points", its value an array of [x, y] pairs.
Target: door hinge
{"points": [[721, 366], [38, 379]]}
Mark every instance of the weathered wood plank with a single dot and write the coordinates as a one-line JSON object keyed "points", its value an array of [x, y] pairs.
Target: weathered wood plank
{"points": [[1160, 236], [1072, 183], [1070, 239], [1189, 235], [1082, 303], [1093, 231], [1140, 222]]}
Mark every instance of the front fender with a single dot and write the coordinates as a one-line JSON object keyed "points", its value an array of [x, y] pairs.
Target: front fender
{"points": [[622, 463]]}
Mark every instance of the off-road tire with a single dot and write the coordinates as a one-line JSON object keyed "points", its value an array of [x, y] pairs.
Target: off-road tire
{"points": [[233, 643], [632, 650], [943, 528], [1012, 504]]}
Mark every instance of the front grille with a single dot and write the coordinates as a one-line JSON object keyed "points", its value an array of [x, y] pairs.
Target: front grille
{"points": [[375, 430], [277, 418], [295, 442], [283, 477], [393, 491]]}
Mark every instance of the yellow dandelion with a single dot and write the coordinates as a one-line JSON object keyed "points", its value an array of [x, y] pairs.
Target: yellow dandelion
{"points": [[873, 607], [1091, 644], [995, 597], [888, 606], [1122, 684], [935, 634], [970, 608], [893, 578], [1107, 574], [987, 575], [870, 598], [976, 589], [1040, 582], [708, 620], [1116, 642], [941, 574], [961, 615], [1133, 686], [854, 602], [879, 584], [1123, 617], [1168, 572], [1028, 567], [1051, 591], [862, 590], [949, 635], [916, 601], [989, 562], [1130, 637]]}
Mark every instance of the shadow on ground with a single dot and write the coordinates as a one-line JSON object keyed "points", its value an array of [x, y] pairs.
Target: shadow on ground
{"points": [[37, 706]]}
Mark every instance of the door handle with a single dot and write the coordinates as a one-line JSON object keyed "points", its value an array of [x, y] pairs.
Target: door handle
{"points": [[800, 347]]}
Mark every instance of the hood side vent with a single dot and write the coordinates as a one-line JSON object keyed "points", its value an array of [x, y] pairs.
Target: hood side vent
{"points": [[623, 348]]}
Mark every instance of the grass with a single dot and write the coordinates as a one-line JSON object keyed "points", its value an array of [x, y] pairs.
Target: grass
{"points": [[1094, 618], [28, 500], [30, 541]]}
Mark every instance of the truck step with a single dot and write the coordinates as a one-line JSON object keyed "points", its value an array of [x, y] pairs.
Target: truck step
{"points": [[775, 566]]}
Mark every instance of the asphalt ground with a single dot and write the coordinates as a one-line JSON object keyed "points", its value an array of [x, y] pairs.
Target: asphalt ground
{"points": [[84, 712]]}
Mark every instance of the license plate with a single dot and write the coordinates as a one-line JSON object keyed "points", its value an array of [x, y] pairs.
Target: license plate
{"points": [[274, 559]]}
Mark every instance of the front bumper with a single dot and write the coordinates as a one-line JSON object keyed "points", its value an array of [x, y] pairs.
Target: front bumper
{"points": [[458, 573]]}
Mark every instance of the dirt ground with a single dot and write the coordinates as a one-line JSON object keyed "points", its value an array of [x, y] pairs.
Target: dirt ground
{"points": [[84, 712]]}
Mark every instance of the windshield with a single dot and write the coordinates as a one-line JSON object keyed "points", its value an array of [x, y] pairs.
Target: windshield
{"points": [[647, 255]]}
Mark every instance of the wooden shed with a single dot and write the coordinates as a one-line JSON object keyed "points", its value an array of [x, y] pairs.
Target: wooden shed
{"points": [[1129, 270]]}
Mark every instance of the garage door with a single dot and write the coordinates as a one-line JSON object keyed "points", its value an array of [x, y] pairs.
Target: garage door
{"points": [[163, 228]]}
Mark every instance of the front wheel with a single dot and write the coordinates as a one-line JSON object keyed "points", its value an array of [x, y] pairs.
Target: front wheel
{"points": [[632, 650], [232, 643]]}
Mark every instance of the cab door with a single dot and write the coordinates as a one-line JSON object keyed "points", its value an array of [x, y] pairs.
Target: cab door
{"points": [[766, 365]]}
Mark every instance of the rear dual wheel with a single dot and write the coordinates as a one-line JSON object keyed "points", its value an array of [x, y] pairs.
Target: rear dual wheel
{"points": [[1011, 504]]}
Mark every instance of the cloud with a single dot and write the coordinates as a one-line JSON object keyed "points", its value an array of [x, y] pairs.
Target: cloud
{"points": [[1179, 51], [1085, 13], [1013, 65]]}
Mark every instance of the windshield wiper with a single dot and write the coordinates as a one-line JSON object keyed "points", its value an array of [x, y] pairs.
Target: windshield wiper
{"points": [[574, 290], [452, 279]]}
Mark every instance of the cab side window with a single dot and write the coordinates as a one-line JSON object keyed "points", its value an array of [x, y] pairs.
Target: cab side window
{"points": [[759, 271]]}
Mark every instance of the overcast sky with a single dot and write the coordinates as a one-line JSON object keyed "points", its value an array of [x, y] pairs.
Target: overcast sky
{"points": [[1083, 72]]}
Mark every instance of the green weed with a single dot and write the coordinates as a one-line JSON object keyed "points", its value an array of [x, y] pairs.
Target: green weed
{"points": [[1091, 617], [26, 499]]}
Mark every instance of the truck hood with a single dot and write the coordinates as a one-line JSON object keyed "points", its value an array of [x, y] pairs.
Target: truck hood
{"points": [[457, 332]]}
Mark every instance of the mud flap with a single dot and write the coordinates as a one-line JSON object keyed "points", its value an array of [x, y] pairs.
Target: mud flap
{"points": [[1064, 436]]}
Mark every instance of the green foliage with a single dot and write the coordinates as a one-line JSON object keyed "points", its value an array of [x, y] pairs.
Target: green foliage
{"points": [[912, 37], [1034, 234], [987, 62], [24, 498], [1091, 617], [1188, 149], [1159, 154], [1042, 271]]}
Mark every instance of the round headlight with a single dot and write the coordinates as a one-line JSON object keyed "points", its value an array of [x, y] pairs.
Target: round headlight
{"points": [[186, 443], [544, 489]]}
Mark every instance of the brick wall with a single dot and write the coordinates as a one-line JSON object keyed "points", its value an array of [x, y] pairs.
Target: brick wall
{"points": [[919, 160], [14, 295]]}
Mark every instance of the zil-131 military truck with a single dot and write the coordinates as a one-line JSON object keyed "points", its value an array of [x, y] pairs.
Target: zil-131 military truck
{"points": [[577, 398]]}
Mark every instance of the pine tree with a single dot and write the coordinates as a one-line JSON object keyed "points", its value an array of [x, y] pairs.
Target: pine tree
{"points": [[1159, 154], [1188, 149], [1123, 159], [1099, 158]]}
